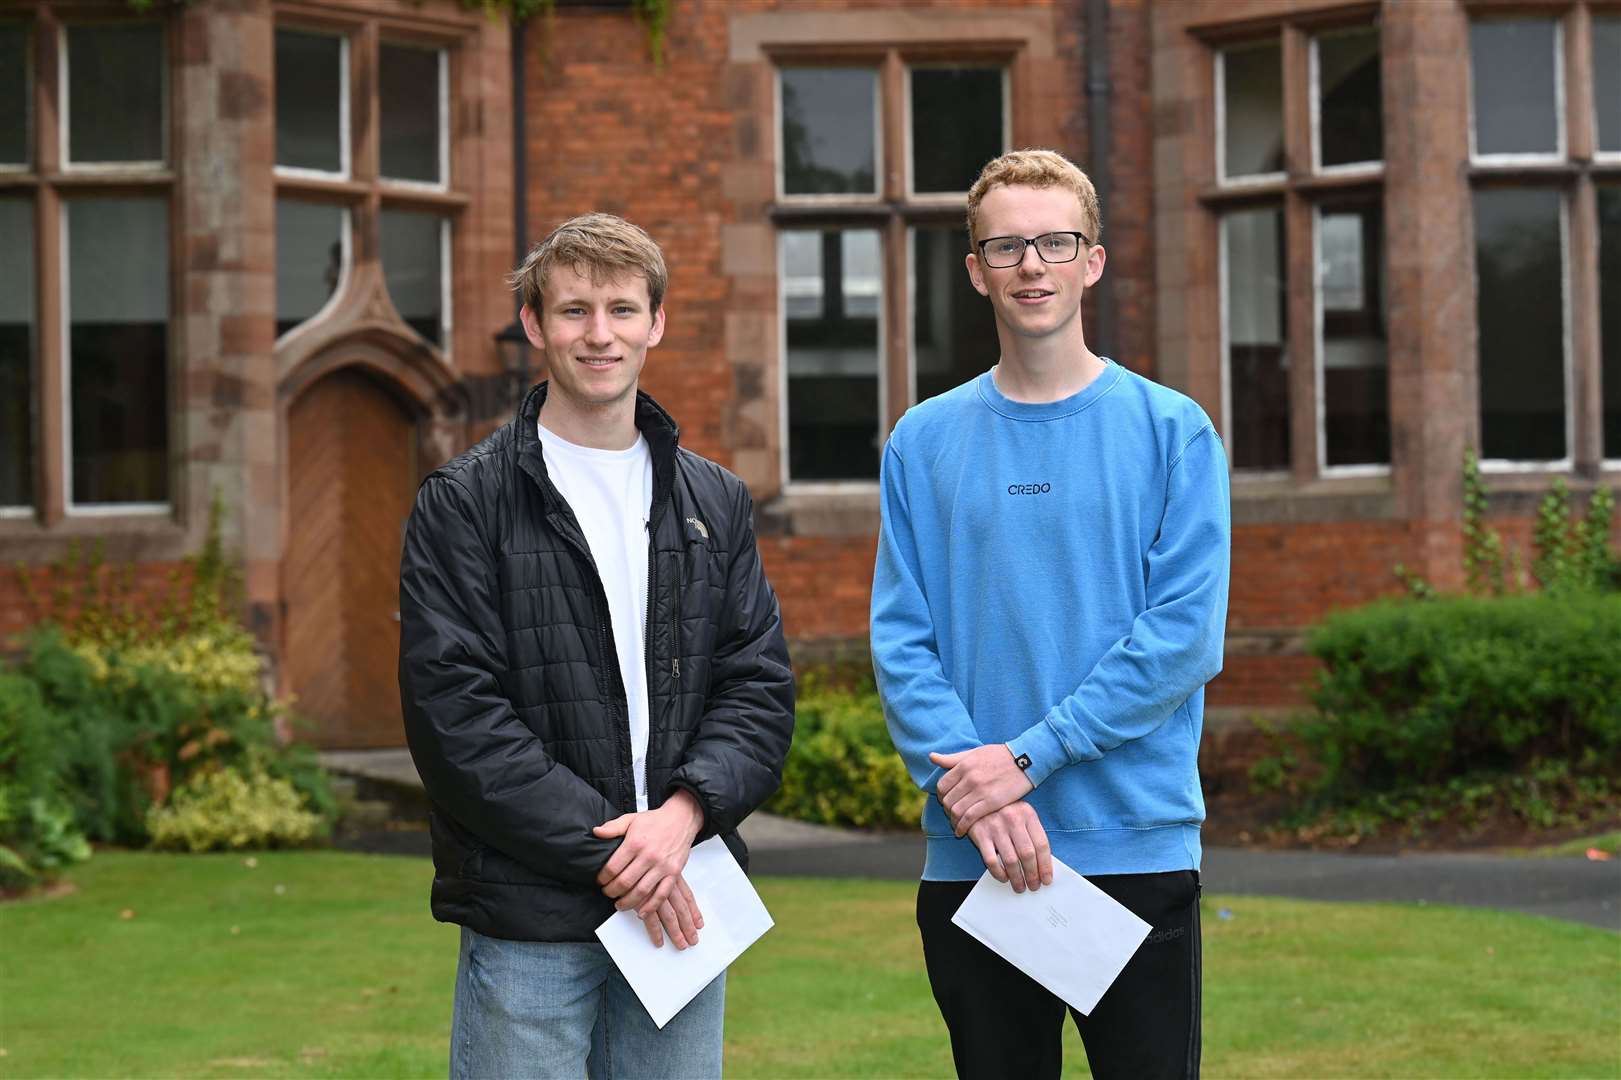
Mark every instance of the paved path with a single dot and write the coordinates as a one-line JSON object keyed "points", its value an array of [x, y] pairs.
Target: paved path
{"points": [[1567, 888]]}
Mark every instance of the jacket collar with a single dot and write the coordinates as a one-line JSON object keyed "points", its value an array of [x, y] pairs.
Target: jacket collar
{"points": [[657, 426]]}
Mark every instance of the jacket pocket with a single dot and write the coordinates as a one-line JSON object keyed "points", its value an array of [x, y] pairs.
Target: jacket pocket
{"points": [[456, 853]]}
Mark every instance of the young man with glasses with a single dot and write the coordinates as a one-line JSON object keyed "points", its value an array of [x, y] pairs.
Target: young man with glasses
{"points": [[1048, 603], [594, 678]]}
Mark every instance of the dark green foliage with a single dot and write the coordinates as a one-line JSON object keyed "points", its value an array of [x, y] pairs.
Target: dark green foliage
{"points": [[1417, 693], [842, 768], [38, 831], [142, 699], [129, 733]]}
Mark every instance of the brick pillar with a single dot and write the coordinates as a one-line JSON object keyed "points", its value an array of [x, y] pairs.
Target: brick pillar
{"points": [[226, 284], [1430, 248]]}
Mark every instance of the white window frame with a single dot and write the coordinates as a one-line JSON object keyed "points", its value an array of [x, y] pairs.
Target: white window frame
{"points": [[443, 96], [27, 164], [949, 198], [876, 197], [1243, 471], [1563, 464], [1242, 179], [1372, 167], [790, 486], [345, 269], [65, 402], [65, 106], [345, 91], [446, 323], [1600, 155], [1324, 469], [1561, 149]]}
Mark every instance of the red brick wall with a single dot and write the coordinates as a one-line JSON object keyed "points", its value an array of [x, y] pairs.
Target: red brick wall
{"points": [[149, 583]]}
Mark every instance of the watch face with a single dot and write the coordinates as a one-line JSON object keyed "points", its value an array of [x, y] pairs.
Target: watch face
{"points": [[1022, 761]]}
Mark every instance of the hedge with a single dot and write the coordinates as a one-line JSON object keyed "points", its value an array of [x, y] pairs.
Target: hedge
{"points": [[1413, 692]]}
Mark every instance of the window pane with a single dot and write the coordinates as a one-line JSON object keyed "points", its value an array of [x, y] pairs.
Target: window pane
{"points": [[831, 296], [1519, 268], [1252, 107], [118, 301], [413, 267], [16, 94], [953, 329], [956, 125], [408, 88], [1609, 216], [309, 259], [1607, 82], [1356, 372], [309, 101], [115, 92], [17, 354], [1512, 62], [1350, 125], [829, 131], [1258, 366]]}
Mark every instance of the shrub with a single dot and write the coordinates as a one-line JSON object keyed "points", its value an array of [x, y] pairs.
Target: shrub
{"points": [[38, 831], [1415, 692], [143, 698], [132, 722], [229, 809], [842, 768]]}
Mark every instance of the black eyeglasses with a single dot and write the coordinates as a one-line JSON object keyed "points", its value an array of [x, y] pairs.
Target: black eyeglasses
{"points": [[1054, 247]]}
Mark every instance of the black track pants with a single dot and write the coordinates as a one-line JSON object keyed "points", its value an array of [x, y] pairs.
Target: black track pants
{"points": [[1003, 1023]]}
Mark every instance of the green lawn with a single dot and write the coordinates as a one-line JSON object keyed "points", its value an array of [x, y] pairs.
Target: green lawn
{"points": [[326, 964]]}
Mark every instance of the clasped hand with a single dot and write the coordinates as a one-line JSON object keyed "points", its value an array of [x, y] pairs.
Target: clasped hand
{"points": [[644, 874], [979, 782]]}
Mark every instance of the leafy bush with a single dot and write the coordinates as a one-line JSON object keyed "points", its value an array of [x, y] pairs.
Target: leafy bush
{"points": [[228, 809], [143, 698], [38, 831], [842, 768], [1415, 692], [133, 723]]}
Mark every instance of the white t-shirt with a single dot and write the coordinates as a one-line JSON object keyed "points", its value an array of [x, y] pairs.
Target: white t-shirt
{"points": [[611, 492]]}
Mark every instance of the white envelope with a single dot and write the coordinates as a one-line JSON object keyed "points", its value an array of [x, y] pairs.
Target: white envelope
{"points": [[1070, 936], [666, 978]]}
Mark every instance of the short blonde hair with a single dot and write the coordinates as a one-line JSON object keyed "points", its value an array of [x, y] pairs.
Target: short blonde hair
{"points": [[601, 245], [1037, 169]]}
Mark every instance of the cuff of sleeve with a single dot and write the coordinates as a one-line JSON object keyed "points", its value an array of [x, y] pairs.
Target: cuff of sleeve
{"points": [[705, 829], [931, 784], [1042, 745]]}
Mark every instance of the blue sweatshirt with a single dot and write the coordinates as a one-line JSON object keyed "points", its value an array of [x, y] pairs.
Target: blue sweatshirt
{"points": [[1054, 577]]}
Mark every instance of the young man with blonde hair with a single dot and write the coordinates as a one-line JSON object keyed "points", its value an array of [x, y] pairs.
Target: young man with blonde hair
{"points": [[1048, 603], [594, 678]]}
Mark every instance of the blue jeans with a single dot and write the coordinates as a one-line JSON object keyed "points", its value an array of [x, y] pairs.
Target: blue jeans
{"points": [[536, 1008]]}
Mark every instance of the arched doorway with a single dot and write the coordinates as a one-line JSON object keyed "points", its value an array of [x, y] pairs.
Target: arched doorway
{"points": [[352, 474]]}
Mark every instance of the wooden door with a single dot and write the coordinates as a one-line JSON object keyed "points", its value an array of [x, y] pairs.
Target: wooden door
{"points": [[353, 473]]}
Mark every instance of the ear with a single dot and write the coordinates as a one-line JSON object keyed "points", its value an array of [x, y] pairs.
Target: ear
{"points": [[531, 327], [976, 274], [1095, 258], [656, 335]]}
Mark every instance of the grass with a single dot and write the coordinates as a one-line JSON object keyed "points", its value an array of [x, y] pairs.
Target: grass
{"points": [[1609, 842], [322, 964]]}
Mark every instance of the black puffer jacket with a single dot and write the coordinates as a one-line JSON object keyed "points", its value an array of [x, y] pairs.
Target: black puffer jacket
{"points": [[514, 706]]}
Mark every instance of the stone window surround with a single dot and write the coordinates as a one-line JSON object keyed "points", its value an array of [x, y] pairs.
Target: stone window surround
{"points": [[1020, 40], [361, 304], [48, 179], [1189, 198], [1299, 191], [370, 331], [1575, 172]]}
